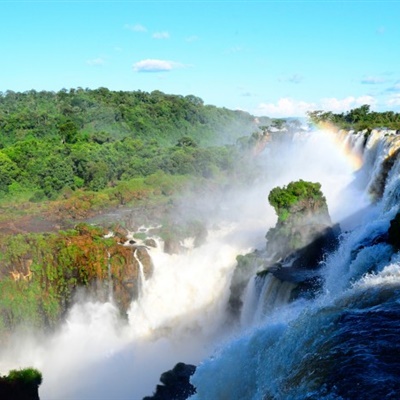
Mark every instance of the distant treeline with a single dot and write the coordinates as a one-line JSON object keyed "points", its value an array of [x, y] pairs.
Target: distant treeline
{"points": [[92, 139], [358, 118]]}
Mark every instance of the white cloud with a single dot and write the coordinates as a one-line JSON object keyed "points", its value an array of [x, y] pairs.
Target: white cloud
{"points": [[161, 35], [96, 61], [135, 28], [285, 107], [394, 101], [339, 105], [153, 65]]}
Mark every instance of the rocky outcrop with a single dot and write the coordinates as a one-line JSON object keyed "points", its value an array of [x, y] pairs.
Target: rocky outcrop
{"points": [[394, 232], [126, 277], [174, 234], [175, 384], [21, 385], [295, 247], [302, 235]]}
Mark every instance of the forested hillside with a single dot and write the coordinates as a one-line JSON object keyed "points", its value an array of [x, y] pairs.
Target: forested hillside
{"points": [[70, 155], [94, 139]]}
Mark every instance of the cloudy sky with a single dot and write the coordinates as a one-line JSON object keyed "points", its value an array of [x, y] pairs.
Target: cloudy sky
{"points": [[275, 58]]}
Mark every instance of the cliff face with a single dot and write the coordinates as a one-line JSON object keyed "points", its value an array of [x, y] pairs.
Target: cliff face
{"points": [[40, 273]]}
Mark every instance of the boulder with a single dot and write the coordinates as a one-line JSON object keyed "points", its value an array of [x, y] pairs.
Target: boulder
{"points": [[394, 232], [175, 384]]}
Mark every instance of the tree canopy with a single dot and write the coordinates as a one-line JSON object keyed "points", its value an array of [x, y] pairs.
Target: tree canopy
{"points": [[358, 118], [93, 139]]}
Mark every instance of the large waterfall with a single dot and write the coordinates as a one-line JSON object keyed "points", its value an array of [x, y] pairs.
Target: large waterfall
{"points": [[340, 343], [344, 343]]}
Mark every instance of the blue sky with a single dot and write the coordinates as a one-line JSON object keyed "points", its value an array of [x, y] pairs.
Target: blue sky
{"points": [[274, 58]]}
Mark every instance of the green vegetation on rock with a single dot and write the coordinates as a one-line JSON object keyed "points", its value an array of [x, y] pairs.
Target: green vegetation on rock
{"points": [[39, 273], [21, 384], [25, 376], [284, 199]]}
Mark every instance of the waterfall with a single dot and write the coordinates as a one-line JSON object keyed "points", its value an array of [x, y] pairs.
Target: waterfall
{"points": [[141, 278], [326, 347], [264, 296], [344, 343], [109, 278]]}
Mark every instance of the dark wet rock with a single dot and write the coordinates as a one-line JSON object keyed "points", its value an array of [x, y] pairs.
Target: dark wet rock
{"points": [[175, 384], [172, 245], [302, 236], [394, 232], [175, 232], [150, 242], [21, 385], [17, 391]]}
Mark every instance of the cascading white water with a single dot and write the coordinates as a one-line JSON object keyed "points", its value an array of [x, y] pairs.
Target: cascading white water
{"points": [[181, 313], [336, 346], [141, 280], [274, 294], [109, 277], [178, 317]]}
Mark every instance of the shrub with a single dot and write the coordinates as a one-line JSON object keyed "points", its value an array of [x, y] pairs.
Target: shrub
{"points": [[283, 199], [27, 376]]}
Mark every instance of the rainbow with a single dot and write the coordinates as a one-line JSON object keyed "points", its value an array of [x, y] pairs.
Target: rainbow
{"points": [[338, 137]]}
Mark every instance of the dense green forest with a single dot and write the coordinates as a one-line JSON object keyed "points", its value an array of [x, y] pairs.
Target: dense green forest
{"points": [[358, 118], [67, 156], [57, 142]]}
